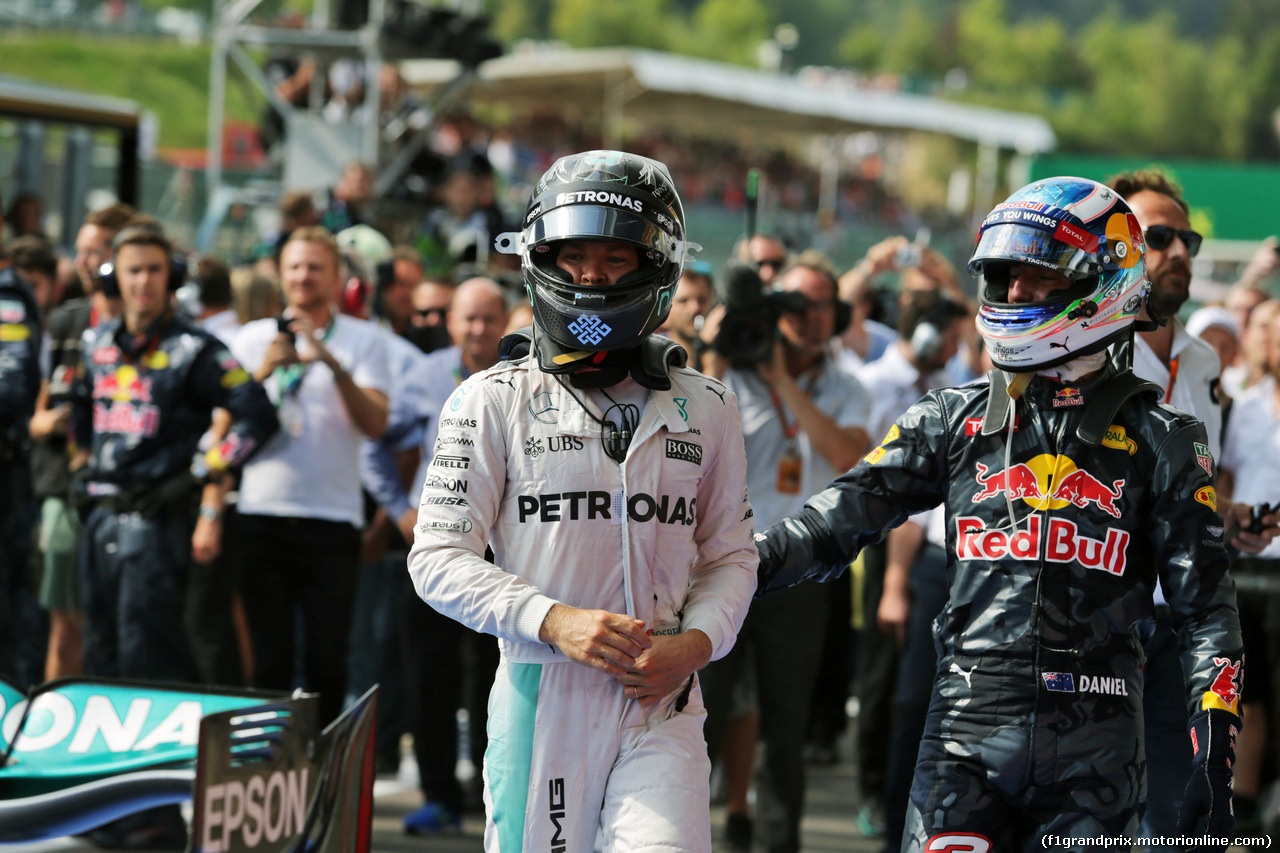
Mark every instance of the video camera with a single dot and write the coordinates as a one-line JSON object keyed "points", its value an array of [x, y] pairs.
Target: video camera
{"points": [[750, 324]]}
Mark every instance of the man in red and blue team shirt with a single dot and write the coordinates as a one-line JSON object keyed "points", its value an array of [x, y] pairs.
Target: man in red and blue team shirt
{"points": [[150, 382]]}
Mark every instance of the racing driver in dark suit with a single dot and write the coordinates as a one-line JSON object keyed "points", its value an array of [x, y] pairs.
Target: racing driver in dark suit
{"points": [[1068, 490]]}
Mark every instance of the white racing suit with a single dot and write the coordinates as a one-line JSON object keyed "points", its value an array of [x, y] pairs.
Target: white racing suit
{"points": [[665, 537]]}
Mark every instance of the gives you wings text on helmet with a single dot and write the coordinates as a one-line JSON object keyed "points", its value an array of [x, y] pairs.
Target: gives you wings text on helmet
{"points": [[610, 196], [1080, 229]]}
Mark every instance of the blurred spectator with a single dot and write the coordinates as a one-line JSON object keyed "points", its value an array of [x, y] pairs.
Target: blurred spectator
{"points": [[431, 300], [53, 446], [1187, 369], [766, 253], [291, 78], [397, 280], [255, 296], [20, 337], [25, 216], [434, 649], [866, 339], [297, 210], [346, 92], [349, 198], [68, 279], [206, 297], [34, 260], [300, 503], [1217, 327], [428, 327], [1265, 261], [139, 409], [462, 229], [930, 328], [372, 656], [1257, 341], [150, 382], [1251, 363], [804, 424], [689, 309], [521, 316], [1249, 475], [1242, 298]]}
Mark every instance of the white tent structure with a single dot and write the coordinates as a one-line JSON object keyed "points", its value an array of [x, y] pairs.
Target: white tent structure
{"points": [[624, 83], [624, 86]]}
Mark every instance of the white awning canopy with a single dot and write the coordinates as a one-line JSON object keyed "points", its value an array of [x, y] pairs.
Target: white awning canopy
{"points": [[696, 95]]}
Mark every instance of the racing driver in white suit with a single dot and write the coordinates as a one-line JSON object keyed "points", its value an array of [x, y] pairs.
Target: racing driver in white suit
{"points": [[610, 481]]}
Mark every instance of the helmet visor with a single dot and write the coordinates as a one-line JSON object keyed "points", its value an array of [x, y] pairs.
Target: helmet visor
{"points": [[591, 222], [1023, 243]]}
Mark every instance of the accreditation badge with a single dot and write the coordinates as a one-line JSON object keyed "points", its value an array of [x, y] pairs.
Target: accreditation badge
{"points": [[790, 469]]}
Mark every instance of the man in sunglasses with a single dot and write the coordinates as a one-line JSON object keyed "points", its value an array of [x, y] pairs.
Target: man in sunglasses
{"points": [[768, 254], [1187, 368], [1183, 365]]}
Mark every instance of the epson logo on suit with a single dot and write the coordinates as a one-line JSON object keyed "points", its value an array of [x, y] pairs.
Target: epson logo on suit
{"points": [[453, 484], [685, 450]]}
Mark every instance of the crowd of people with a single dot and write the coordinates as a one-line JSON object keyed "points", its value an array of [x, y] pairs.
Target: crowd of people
{"points": [[228, 470]]}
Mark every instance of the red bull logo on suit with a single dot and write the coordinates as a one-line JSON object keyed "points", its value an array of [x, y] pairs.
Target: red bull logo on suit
{"points": [[1049, 482]]}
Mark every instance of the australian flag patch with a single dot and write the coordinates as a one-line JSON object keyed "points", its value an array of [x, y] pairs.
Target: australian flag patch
{"points": [[1059, 682]]}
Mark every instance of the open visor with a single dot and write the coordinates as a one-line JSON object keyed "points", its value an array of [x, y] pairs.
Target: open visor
{"points": [[592, 222], [1028, 244]]}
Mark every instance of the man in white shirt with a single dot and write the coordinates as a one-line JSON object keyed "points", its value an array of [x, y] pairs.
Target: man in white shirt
{"points": [[301, 508], [1188, 369]]}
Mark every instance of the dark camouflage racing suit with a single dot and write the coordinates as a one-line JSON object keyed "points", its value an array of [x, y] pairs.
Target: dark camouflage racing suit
{"points": [[1035, 722]]}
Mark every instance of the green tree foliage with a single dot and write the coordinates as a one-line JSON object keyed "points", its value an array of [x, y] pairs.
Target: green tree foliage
{"points": [[727, 30], [917, 46], [520, 19], [609, 23]]}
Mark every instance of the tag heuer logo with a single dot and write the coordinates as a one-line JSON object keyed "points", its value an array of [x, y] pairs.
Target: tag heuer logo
{"points": [[686, 450]]}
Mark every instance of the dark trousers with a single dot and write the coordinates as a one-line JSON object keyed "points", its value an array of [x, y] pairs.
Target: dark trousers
{"points": [[784, 634], [828, 717], [877, 671], [305, 569], [210, 628], [374, 655], [916, 670], [447, 666], [133, 578], [24, 630]]}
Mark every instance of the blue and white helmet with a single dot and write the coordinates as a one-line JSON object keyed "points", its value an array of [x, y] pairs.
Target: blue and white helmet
{"points": [[1076, 227], [602, 195]]}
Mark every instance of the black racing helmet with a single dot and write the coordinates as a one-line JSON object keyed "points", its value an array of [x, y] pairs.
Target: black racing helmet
{"points": [[601, 195]]}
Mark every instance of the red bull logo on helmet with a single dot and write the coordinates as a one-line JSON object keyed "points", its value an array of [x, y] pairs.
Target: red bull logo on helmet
{"points": [[1049, 482]]}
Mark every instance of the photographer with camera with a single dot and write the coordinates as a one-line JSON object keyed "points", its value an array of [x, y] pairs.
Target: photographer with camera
{"points": [[919, 268], [802, 419]]}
